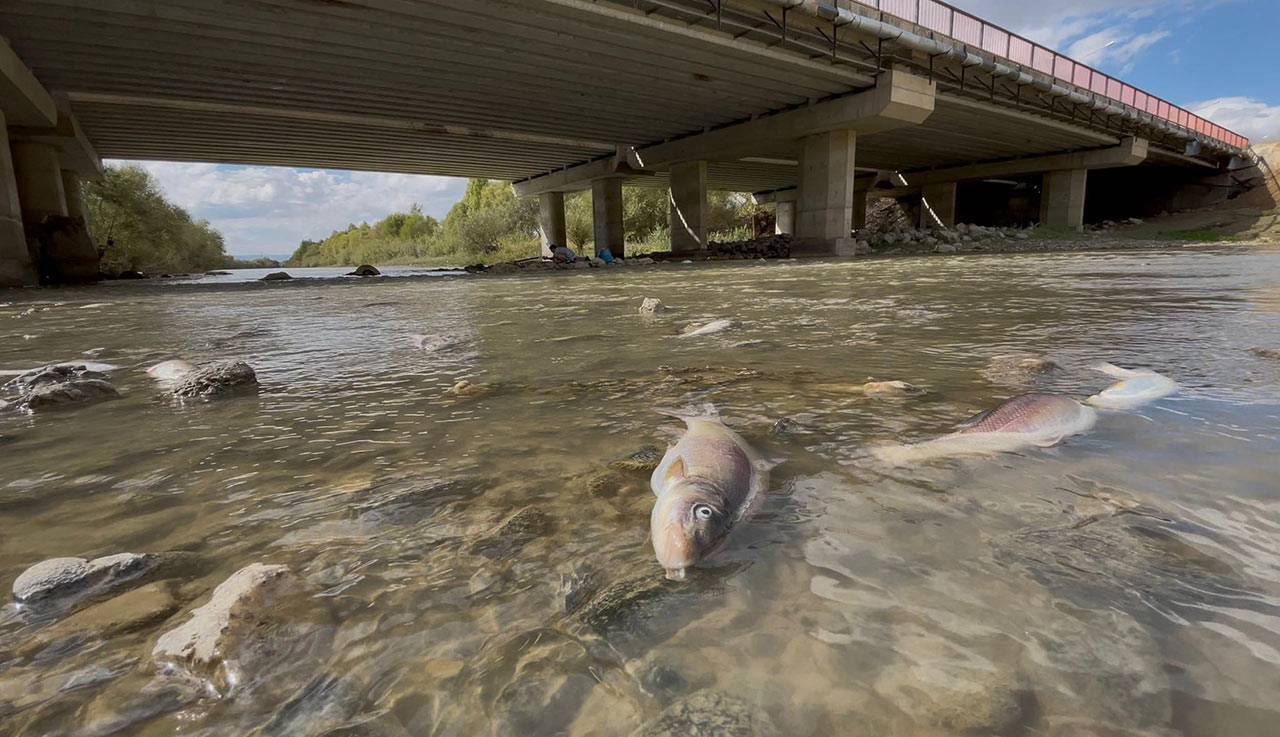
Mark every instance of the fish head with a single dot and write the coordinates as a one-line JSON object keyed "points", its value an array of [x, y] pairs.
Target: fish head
{"points": [[689, 522]]}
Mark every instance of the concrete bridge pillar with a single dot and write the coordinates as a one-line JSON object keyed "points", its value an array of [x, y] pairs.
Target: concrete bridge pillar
{"points": [[39, 176], [859, 209], [606, 215], [1062, 199], [16, 268], [824, 216], [938, 205], [688, 217], [74, 195], [551, 228], [784, 218]]}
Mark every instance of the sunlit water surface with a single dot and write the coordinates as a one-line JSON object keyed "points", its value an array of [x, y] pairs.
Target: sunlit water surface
{"points": [[1005, 594]]}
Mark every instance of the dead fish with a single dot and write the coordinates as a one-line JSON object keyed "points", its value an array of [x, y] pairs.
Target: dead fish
{"points": [[1135, 388], [705, 485], [170, 372], [1030, 420], [711, 328]]}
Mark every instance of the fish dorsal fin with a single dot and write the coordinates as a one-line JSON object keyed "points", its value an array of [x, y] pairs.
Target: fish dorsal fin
{"points": [[976, 419], [676, 470]]}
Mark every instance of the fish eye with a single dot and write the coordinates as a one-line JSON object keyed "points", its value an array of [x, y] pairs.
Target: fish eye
{"points": [[702, 512]]}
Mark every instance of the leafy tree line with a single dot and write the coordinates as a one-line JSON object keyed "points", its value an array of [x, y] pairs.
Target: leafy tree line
{"points": [[491, 224], [138, 229]]}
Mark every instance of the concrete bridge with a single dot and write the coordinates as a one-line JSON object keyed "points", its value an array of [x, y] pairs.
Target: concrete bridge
{"points": [[814, 105]]}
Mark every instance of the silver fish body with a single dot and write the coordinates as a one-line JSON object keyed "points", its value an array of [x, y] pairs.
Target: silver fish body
{"points": [[706, 484], [1030, 420]]}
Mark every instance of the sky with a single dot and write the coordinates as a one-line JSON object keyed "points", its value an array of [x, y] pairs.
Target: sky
{"points": [[1215, 57]]}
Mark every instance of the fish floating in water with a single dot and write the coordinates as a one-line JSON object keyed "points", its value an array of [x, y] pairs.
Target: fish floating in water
{"points": [[1135, 388], [1026, 421], [706, 484], [711, 328], [170, 372], [874, 389]]}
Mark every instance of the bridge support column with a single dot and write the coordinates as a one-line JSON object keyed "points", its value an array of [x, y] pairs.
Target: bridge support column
{"points": [[39, 176], [938, 205], [824, 217], [606, 215], [551, 228], [1062, 199], [784, 218], [859, 209], [688, 218], [73, 193], [16, 269]]}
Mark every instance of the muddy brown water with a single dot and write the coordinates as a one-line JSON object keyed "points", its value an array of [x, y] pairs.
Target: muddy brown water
{"points": [[1125, 582]]}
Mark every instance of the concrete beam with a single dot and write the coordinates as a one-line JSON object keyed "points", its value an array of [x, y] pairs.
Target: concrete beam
{"points": [[1130, 152], [551, 225], [898, 99], [688, 214], [575, 178], [606, 215], [75, 150], [16, 269], [23, 100]]}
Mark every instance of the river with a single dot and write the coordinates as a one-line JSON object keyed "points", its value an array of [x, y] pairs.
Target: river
{"points": [[1124, 582]]}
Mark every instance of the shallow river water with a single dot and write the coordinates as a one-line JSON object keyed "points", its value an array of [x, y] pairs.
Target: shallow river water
{"points": [[473, 564]]}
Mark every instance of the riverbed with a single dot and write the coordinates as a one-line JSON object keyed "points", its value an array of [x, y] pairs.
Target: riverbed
{"points": [[1126, 581]]}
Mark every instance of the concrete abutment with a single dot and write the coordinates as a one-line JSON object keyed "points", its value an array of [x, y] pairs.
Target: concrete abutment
{"points": [[551, 221], [1062, 199], [606, 215], [824, 212], [16, 267], [688, 199]]}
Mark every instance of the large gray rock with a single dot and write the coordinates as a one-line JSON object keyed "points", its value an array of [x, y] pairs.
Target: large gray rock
{"points": [[219, 379], [235, 608], [67, 394], [77, 577]]}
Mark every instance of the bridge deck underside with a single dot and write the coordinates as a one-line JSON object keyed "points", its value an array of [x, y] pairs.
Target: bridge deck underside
{"points": [[505, 89]]}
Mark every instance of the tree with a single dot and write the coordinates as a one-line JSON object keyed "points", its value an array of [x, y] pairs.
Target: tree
{"points": [[141, 230]]}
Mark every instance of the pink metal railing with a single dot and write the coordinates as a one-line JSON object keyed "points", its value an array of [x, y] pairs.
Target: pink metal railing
{"points": [[972, 31]]}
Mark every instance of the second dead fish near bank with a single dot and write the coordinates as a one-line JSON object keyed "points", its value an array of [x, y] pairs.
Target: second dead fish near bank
{"points": [[1030, 420], [705, 485]]}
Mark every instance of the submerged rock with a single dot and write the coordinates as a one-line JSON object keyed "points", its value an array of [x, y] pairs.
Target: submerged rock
{"points": [[642, 461], [1272, 353], [125, 613], [219, 379], [365, 270], [518, 530], [276, 276], [1018, 368], [61, 385], [74, 578], [68, 393], [652, 306], [709, 714], [235, 608]]}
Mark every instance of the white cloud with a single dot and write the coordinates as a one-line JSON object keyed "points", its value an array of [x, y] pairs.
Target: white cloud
{"points": [[1245, 115], [1113, 45], [262, 209]]}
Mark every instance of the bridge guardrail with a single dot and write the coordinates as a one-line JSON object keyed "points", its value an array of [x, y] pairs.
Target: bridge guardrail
{"points": [[950, 21]]}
